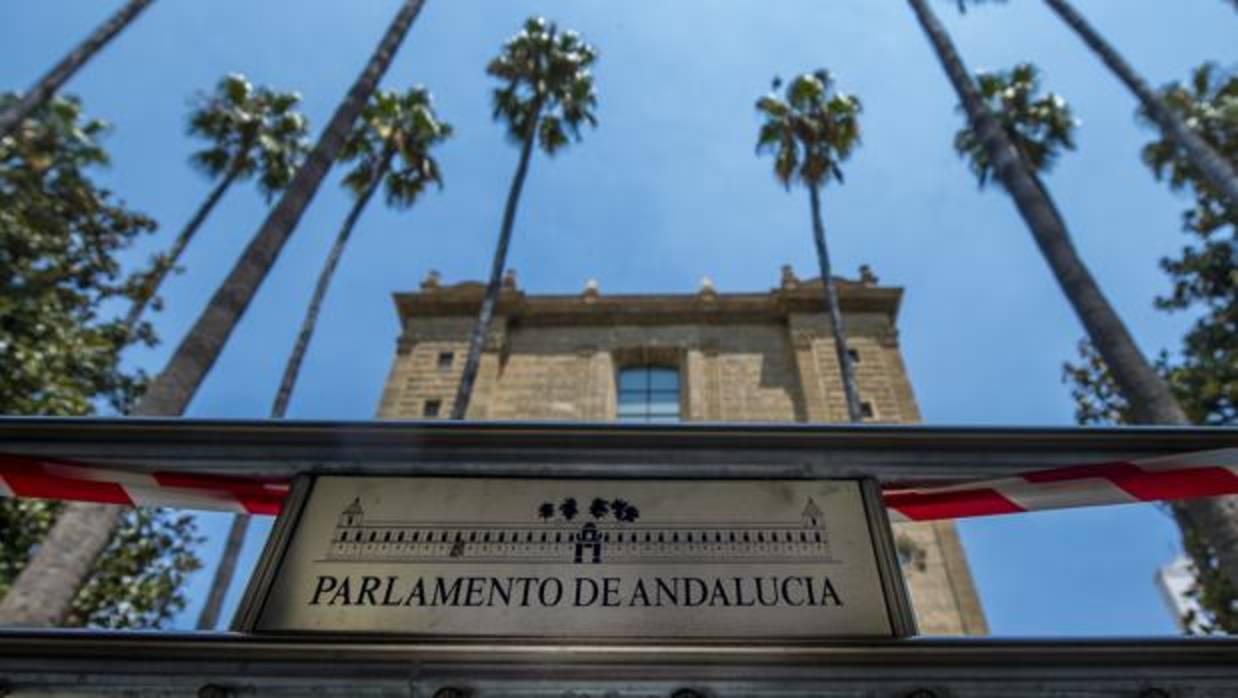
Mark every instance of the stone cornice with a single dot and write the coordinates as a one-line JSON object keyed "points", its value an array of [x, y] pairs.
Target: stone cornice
{"points": [[464, 300]]}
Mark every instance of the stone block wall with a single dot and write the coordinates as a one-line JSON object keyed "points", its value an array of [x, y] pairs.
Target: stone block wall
{"points": [[741, 358]]}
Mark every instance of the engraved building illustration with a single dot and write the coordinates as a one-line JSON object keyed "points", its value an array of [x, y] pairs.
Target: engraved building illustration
{"points": [[705, 356], [580, 541]]}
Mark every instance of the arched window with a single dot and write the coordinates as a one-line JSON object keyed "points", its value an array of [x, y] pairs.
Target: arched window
{"points": [[648, 394]]}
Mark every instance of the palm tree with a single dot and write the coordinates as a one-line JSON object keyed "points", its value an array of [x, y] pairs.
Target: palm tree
{"points": [[1137, 378], [1149, 397], [83, 530], [253, 131], [546, 511], [1038, 127], [170, 392], [1219, 171], [392, 125], [617, 507], [547, 95], [811, 132], [1203, 102], [51, 82]]}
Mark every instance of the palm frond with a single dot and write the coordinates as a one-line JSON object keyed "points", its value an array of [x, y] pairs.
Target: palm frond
{"points": [[809, 130], [1040, 127], [546, 85], [250, 130]]}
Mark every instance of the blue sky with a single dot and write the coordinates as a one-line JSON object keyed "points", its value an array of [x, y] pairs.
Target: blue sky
{"points": [[668, 190]]}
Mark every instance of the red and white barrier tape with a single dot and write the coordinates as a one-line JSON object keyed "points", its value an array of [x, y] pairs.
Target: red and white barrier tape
{"points": [[22, 476], [1185, 476]]}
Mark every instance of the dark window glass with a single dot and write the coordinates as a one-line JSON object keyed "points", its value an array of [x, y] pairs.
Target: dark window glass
{"points": [[445, 359], [648, 394], [432, 408], [866, 409], [854, 356]]}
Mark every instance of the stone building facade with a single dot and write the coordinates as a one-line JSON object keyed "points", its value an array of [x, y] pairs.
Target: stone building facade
{"points": [[743, 357]]}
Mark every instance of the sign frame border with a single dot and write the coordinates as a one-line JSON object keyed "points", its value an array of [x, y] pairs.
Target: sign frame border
{"points": [[895, 596]]}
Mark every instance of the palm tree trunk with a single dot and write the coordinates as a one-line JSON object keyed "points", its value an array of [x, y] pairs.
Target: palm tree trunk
{"points": [[224, 572], [169, 394], [50, 83], [1219, 171], [171, 391], [43, 593], [1148, 394], [240, 523], [161, 270], [847, 370], [293, 367], [226, 569], [1150, 399], [469, 375]]}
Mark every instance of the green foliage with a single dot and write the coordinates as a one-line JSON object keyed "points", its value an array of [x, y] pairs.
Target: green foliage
{"points": [[1039, 127], [138, 581], [547, 86], [25, 522], [1211, 590], [1098, 401], [252, 130], [1209, 106], [1204, 377], [405, 126], [810, 130], [1205, 277], [1097, 397], [59, 234]]}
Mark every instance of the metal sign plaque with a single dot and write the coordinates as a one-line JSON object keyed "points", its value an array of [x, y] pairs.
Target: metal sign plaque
{"points": [[587, 559]]}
